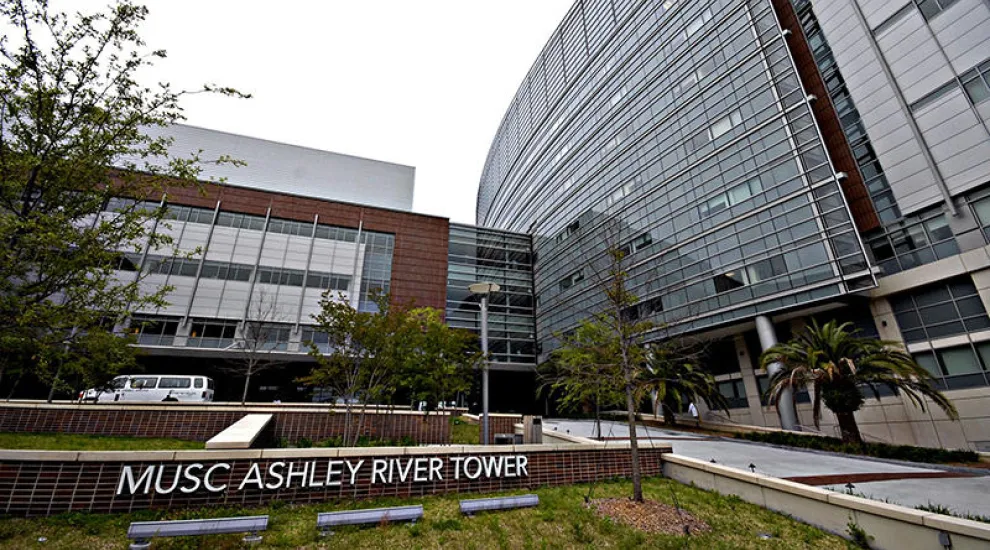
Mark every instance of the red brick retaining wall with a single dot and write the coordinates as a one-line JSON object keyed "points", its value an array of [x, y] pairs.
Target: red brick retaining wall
{"points": [[200, 423], [43, 483]]}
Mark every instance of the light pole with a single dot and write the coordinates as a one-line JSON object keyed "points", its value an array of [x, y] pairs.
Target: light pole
{"points": [[483, 290]]}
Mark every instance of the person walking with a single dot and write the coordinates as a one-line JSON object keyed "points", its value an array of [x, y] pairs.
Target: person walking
{"points": [[693, 411]]}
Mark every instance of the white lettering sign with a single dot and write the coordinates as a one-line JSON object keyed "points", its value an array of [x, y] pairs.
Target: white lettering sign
{"points": [[164, 479]]}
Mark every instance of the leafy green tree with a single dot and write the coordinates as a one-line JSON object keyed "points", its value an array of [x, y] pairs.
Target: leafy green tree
{"points": [[439, 361], [357, 366], [837, 365], [583, 371], [73, 121], [673, 375], [613, 345], [372, 355]]}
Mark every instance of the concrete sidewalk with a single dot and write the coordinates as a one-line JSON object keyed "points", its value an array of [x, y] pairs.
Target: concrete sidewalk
{"points": [[962, 495]]}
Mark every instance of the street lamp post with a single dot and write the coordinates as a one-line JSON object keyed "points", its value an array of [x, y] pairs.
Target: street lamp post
{"points": [[483, 290]]}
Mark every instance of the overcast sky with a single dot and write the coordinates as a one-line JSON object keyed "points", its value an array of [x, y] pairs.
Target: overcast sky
{"points": [[423, 83]]}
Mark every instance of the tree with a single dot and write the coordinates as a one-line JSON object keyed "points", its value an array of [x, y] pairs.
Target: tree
{"points": [[73, 139], [673, 375], [438, 360], [363, 358], [837, 364], [613, 346], [583, 371], [256, 347]]}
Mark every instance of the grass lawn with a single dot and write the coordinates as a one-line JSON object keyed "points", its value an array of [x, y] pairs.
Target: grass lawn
{"points": [[75, 442], [463, 433], [561, 521]]}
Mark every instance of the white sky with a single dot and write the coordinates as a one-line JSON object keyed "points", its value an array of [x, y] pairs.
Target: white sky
{"points": [[418, 82]]}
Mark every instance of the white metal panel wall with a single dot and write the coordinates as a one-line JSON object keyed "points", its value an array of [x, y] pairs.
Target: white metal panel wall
{"points": [[914, 57], [273, 253], [234, 298], [958, 141], [222, 244], [877, 11], [911, 180], [963, 29], [246, 247], [284, 168], [207, 301], [297, 252]]}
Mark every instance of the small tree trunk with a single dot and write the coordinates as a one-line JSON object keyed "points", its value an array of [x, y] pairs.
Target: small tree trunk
{"points": [[247, 384], [347, 422], [637, 475], [51, 391], [848, 427], [668, 414]]}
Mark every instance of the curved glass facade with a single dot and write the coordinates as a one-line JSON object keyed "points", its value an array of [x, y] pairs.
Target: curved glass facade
{"points": [[680, 132]]}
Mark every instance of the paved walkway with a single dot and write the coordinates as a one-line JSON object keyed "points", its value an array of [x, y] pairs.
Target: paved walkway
{"points": [[911, 488]]}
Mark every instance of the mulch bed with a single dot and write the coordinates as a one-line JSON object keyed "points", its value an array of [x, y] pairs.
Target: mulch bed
{"points": [[649, 516]]}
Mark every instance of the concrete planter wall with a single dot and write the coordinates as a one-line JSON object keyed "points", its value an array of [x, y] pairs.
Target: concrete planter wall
{"points": [[893, 527]]}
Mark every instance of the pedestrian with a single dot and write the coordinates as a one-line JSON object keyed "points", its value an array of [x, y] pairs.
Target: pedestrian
{"points": [[693, 411]]}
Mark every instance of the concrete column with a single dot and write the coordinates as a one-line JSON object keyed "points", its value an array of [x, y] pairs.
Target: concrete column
{"points": [[785, 402], [746, 367]]}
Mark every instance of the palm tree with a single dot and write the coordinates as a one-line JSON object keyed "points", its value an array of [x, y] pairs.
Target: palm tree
{"points": [[838, 364], [674, 378]]}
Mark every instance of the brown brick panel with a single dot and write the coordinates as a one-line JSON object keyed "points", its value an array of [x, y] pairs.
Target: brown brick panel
{"points": [[37, 488], [419, 263], [201, 425], [853, 187], [500, 425]]}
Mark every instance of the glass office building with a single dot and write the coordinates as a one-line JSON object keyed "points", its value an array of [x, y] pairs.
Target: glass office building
{"points": [[679, 132], [764, 163], [501, 257]]}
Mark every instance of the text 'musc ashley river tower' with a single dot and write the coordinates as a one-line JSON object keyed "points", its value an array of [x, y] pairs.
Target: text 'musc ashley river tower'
{"points": [[763, 162]]}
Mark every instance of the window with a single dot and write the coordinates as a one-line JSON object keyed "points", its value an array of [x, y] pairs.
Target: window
{"points": [[730, 281], [724, 124], [319, 339], [198, 383], [174, 383], [940, 310], [760, 271], [265, 336], [734, 392], [212, 334], [571, 229], [931, 8], [154, 331], [977, 83], [732, 197], [637, 244], [144, 383], [933, 96], [571, 280], [982, 210], [280, 276], [957, 367], [914, 241], [327, 281]]}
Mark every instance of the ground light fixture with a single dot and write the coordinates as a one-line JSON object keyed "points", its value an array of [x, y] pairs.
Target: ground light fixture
{"points": [[483, 290]]}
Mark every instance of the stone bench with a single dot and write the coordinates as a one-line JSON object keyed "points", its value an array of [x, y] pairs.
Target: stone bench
{"points": [[141, 532], [240, 434]]}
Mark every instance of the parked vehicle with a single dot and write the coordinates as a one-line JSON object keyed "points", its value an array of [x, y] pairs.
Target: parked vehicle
{"points": [[153, 387]]}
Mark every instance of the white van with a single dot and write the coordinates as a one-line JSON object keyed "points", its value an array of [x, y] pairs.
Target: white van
{"points": [[153, 387]]}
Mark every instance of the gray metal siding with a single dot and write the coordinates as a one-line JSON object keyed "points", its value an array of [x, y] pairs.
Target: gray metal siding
{"points": [[283, 168]]}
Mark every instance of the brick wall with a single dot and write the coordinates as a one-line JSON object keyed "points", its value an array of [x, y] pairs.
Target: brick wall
{"points": [[500, 424], [200, 423], [39, 484]]}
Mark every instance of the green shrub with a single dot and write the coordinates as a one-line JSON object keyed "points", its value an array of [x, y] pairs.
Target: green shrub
{"points": [[878, 450]]}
